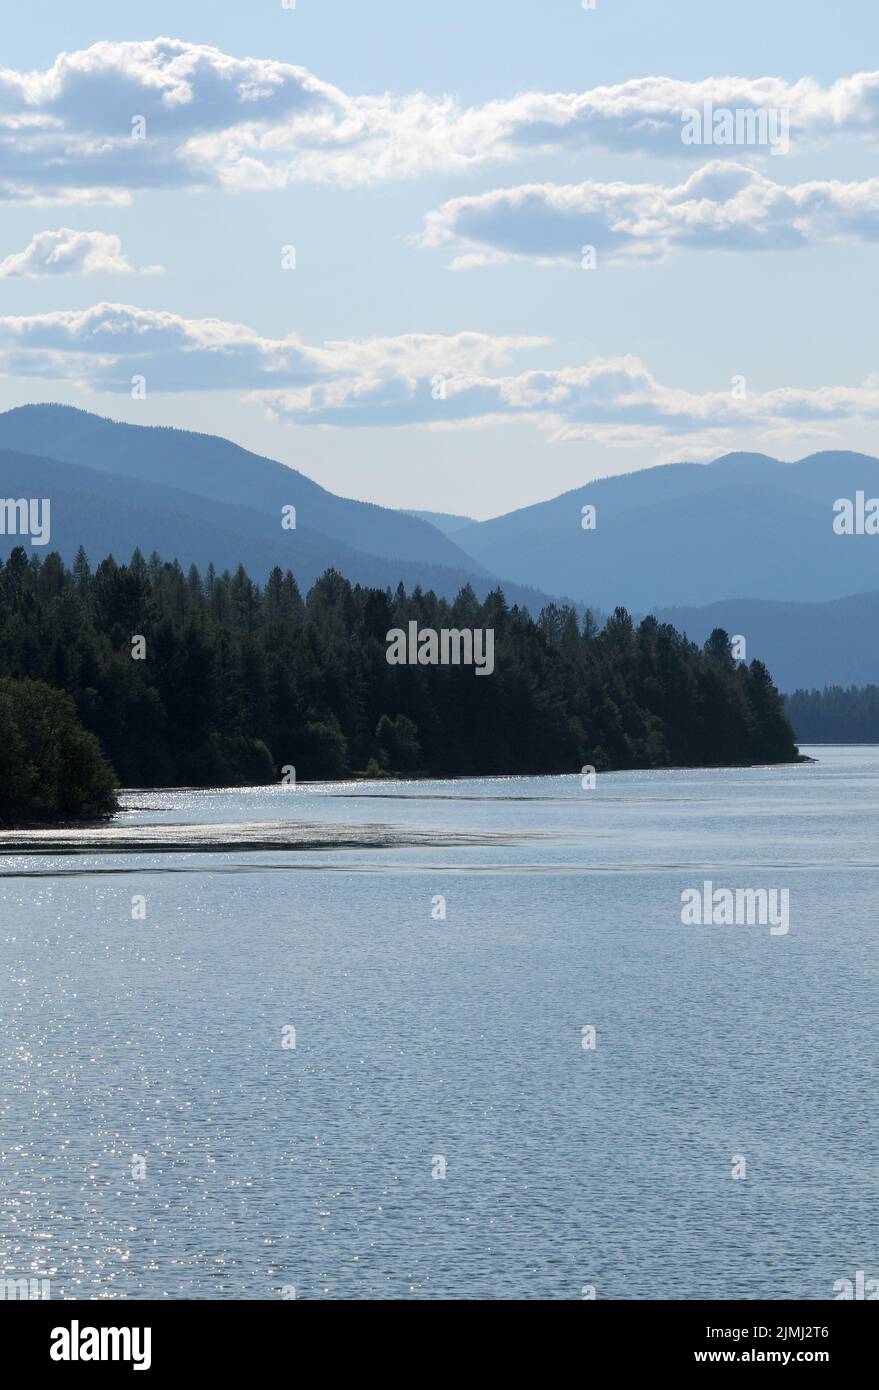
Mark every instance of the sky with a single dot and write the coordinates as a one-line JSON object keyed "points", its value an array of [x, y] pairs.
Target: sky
{"points": [[458, 257]]}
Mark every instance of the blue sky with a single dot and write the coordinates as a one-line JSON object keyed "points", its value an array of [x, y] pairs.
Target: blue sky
{"points": [[390, 143]]}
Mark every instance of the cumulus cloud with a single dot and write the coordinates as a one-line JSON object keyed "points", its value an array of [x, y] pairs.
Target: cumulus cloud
{"points": [[67, 252], [720, 207], [435, 380], [615, 400], [180, 88], [73, 130], [105, 345], [353, 139], [211, 119]]}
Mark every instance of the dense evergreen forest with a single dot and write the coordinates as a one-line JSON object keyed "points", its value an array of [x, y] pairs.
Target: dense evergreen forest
{"points": [[239, 681], [836, 714]]}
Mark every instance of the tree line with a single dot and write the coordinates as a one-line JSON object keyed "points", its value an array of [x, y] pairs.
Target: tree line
{"points": [[239, 680], [836, 714]]}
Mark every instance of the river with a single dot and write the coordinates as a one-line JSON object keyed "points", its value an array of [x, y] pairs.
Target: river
{"points": [[337, 1041]]}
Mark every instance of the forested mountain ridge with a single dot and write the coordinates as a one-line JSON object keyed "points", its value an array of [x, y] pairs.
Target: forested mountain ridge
{"points": [[216, 468], [203, 499], [806, 645], [88, 505], [745, 526], [239, 680], [835, 714], [667, 539], [447, 522]]}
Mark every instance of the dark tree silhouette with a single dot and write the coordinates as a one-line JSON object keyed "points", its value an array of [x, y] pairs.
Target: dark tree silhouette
{"points": [[239, 681], [836, 714], [50, 767]]}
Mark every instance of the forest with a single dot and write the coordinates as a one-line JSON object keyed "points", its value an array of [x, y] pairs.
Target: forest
{"points": [[836, 714], [190, 679]]}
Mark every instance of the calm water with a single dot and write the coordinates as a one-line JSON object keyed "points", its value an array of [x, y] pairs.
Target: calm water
{"points": [[311, 1167]]}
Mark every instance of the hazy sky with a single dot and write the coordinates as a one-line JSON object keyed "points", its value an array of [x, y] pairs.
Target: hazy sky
{"points": [[438, 169]]}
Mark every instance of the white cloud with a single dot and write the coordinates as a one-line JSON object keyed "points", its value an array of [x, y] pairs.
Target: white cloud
{"points": [[435, 380], [67, 252], [720, 207], [68, 130], [614, 400], [212, 119], [105, 345]]}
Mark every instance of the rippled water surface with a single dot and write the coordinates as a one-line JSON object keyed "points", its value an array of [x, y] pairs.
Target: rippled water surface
{"points": [[269, 1168]]}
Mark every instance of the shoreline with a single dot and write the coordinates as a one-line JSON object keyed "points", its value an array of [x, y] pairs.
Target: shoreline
{"points": [[106, 822], [467, 776]]}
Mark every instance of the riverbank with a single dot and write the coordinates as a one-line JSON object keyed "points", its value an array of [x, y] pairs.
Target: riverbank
{"points": [[80, 826]]}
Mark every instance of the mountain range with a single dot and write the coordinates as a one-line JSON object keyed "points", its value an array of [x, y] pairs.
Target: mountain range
{"points": [[805, 645], [746, 542], [745, 526], [202, 499]]}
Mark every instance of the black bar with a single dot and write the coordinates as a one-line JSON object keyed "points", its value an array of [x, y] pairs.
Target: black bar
{"points": [[656, 1336]]}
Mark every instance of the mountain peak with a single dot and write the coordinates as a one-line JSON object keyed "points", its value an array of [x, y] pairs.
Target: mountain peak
{"points": [[742, 459]]}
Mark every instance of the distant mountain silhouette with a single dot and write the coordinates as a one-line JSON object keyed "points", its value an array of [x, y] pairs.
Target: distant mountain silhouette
{"points": [[805, 645], [745, 526], [447, 522], [214, 467], [200, 499]]}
